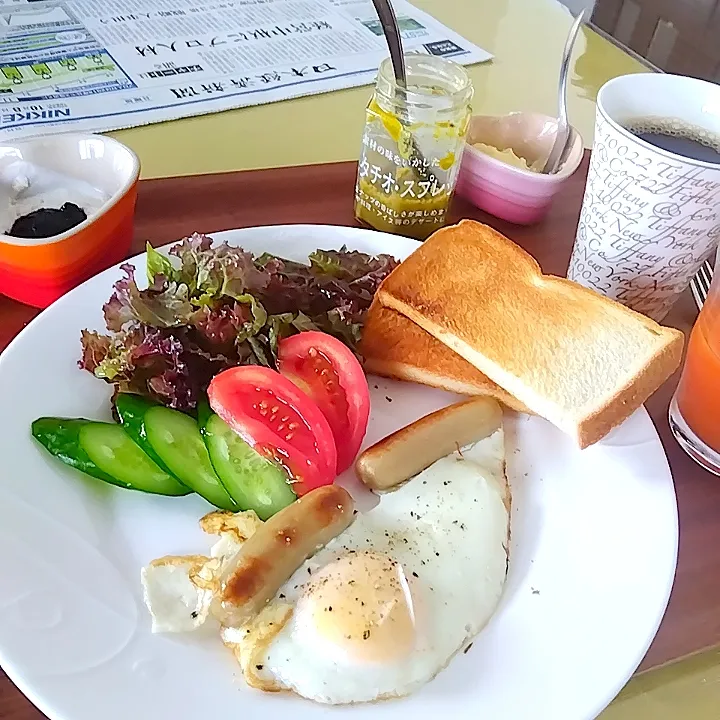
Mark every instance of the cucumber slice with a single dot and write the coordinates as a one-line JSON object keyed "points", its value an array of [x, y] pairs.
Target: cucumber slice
{"points": [[112, 450], [204, 412], [255, 482], [61, 438], [175, 437], [131, 410]]}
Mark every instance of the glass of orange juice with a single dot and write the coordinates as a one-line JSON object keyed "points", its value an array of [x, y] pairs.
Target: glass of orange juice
{"points": [[695, 409]]}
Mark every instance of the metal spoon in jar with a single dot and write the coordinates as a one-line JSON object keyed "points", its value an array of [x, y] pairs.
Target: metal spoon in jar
{"points": [[390, 27], [560, 147]]}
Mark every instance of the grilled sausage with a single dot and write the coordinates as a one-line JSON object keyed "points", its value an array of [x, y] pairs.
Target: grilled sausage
{"points": [[277, 549], [412, 449]]}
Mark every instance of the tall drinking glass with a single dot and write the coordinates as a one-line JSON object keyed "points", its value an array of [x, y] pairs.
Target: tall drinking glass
{"points": [[695, 409]]}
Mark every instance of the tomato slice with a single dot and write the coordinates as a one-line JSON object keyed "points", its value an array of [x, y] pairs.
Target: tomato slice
{"points": [[279, 420], [331, 375]]}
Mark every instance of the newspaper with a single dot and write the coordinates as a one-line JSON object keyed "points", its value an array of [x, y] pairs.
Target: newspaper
{"points": [[94, 65]]}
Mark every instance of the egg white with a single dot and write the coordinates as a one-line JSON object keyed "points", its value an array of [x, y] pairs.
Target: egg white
{"points": [[175, 603], [178, 589], [448, 531]]}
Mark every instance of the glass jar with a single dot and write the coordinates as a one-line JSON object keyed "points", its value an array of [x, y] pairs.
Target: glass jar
{"points": [[412, 146]]}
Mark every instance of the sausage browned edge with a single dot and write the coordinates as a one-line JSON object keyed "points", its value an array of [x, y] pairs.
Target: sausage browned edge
{"points": [[407, 452], [277, 549]]}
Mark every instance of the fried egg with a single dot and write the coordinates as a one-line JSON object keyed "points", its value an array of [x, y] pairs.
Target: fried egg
{"points": [[176, 604], [178, 589], [382, 608]]}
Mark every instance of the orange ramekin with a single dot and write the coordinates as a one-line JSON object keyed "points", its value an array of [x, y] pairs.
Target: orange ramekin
{"points": [[38, 272]]}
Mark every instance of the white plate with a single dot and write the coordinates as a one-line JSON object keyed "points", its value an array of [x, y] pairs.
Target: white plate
{"points": [[594, 544]]}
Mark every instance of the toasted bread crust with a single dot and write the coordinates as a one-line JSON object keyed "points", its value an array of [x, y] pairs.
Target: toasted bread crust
{"points": [[573, 356], [395, 347]]}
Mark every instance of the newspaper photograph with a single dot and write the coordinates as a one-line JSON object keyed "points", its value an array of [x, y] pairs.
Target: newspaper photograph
{"points": [[95, 65]]}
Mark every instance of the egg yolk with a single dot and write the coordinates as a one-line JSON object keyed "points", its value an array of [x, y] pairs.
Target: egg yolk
{"points": [[361, 604]]}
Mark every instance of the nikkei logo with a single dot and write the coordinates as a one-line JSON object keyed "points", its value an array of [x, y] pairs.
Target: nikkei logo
{"points": [[13, 117]]}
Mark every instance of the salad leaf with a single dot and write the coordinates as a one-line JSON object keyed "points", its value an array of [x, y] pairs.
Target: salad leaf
{"points": [[164, 304], [345, 324], [259, 315], [216, 329], [160, 357], [350, 264], [95, 349], [284, 325], [158, 264], [302, 323], [208, 307], [260, 357], [327, 263], [213, 272], [163, 365], [279, 327], [190, 250]]}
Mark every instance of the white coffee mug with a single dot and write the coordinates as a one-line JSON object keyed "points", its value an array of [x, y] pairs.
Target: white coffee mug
{"points": [[649, 217]]}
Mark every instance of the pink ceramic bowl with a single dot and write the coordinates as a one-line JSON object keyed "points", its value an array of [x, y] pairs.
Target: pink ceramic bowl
{"points": [[511, 193]]}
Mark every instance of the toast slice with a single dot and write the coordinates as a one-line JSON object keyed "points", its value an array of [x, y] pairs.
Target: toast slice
{"points": [[395, 347], [580, 360]]}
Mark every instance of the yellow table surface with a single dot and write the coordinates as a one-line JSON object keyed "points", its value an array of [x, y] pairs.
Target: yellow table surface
{"points": [[526, 37]]}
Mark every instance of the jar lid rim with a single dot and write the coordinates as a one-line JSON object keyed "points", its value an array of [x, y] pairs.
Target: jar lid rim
{"points": [[451, 78]]}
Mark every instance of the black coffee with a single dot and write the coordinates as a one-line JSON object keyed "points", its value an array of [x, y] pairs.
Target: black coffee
{"points": [[678, 138]]}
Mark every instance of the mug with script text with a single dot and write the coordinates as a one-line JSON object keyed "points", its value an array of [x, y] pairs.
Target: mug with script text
{"points": [[651, 212]]}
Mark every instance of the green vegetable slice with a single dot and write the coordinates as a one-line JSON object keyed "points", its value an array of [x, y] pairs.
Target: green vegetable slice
{"points": [[115, 453], [104, 451], [60, 437], [204, 413], [255, 482], [131, 410], [175, 437]]}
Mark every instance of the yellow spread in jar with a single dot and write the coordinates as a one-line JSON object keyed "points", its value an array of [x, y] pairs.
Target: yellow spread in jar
{"points": [[401, 188], [416, 217], [447, 162], [392, 125]]}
